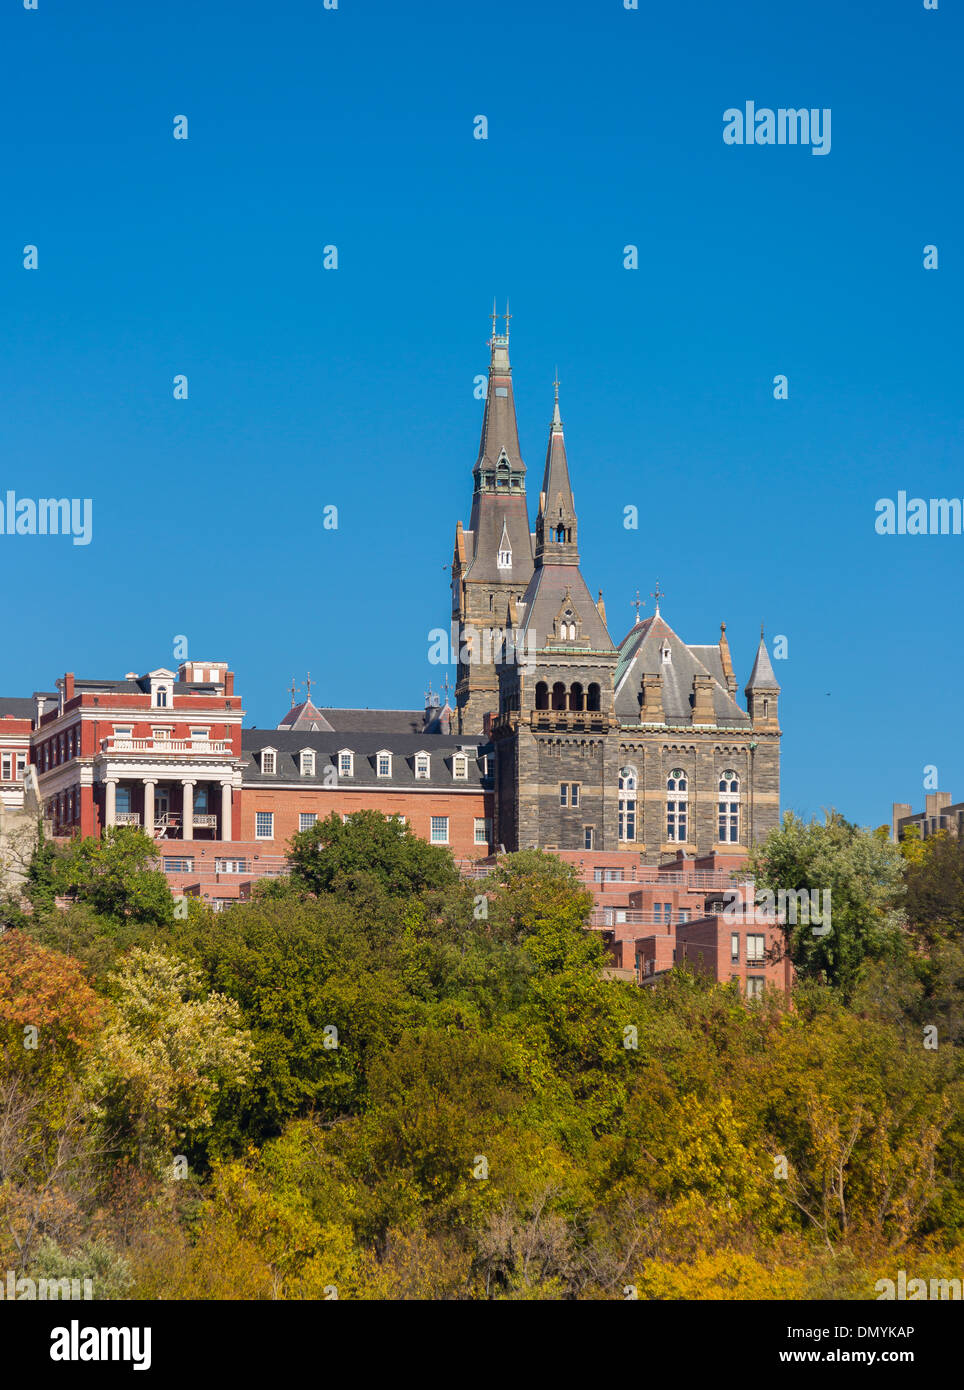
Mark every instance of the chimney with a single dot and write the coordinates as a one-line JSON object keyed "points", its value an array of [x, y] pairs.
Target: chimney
{"points": [[703, 712], [651, 710], [68, 686], [229, 682]]}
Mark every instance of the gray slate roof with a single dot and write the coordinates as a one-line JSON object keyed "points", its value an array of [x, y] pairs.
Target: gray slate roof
{"points": [[639, 655], [17, 706], [365, 746]]}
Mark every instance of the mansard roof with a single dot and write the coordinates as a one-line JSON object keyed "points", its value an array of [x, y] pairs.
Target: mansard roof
{"points": [[365, 746], [16, 706], [640, 654]]}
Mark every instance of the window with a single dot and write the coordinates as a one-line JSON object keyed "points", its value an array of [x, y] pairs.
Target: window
{"points": [[440, 830], [574, 794], [402, 820], [264, 825], [542, 695], [766, 709], [734, 948], [589, 837], [161, 735], [268, 761], [6, 767], [563, 793], [729, 807], [306, 820], [122, 801], [505, 559], [230, 866], [460, 766], [755, 948], [628, 780], [123, 730], [383, 764], [663, 912], [483, 830], [200, 734], [21, 766], [307, 763], [676, 804], [666, 653], [754, 986], [346, 763], [683, 914], [161, 700], [422, 765], [179, 866]]}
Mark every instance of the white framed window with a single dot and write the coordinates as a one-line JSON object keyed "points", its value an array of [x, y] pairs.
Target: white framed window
{"points": [[505, 559], [230, 866], [483, 830], [589, 837], [563, 793], [734, 948], [200, 735], [264, 825], [423, 766], [21, 766], [161, 700], [677, 803], [628, 782], [306, 820], [180, 865], [162, 734], [6, 767], [460, 767], [383, 763], [123, 730], [402, 820], [755, 948], [346, 763], [307, 762], [728, 828], [754, 986], [666, 653], [440, 830], [269, 761]]}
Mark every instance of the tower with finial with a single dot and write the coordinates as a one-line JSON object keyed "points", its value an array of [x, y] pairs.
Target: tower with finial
{"points": [[492, 560]]}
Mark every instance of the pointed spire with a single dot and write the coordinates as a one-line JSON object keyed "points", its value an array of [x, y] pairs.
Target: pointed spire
{"points": [[761, 677], [601, 607], [556, 529], [726, 661]]}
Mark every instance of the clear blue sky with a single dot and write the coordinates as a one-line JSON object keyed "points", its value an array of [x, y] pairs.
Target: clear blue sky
{"points": [[354, 387]]}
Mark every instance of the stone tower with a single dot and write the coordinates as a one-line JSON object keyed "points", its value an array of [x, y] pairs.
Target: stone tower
{"points": [[556, 736], [492, 561]]}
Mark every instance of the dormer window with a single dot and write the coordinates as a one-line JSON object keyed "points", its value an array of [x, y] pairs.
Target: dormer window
{"points": [[460, 766], [423, 765], [346, 763], [160, 697], [505, 559], [665, 653], [268, 761], [307, 762], [383, 763]]}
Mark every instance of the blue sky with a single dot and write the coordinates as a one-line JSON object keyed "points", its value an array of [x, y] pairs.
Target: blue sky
{"points": [[354, 386]]}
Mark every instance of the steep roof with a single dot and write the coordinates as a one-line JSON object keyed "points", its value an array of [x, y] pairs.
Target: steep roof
{"points": [[640, 653], [304, 716], [16, 706], [762, 677], [366, 746]]}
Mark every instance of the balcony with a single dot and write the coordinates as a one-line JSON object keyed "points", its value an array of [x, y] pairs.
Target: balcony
{"points": [[201, 748], [578, 719], [127, 818]]}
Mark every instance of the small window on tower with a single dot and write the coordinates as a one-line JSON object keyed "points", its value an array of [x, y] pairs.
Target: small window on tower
{"points": [[505, 559], [502, 390]]}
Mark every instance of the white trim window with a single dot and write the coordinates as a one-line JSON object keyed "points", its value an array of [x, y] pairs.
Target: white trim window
{"points": [[264, 825], [346, 762], [306, 819], [628, 782], [440, 830], [677, 805], [307, 762], [6, 767], [505, 560], [269, 762], [460, 766], [383, 763], [483, 830], [200, 735], [21, 766], [728, 806], [162, 734], [423, 767]]}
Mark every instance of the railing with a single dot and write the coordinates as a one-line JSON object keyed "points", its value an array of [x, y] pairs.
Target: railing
{"points": [[569, 719], [205, 821], [127, 818], [634, 917], [165, 745]]}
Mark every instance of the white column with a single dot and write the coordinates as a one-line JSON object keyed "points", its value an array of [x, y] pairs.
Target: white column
{"points": [[187, 812], [149, 808], [110, 812], [225, 810]]}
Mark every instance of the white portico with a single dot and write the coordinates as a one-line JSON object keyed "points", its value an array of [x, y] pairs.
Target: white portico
{"points": [[175, 788]]}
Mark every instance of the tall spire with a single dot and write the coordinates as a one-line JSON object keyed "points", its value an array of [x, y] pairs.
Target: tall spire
{"points": [[556, 539]]}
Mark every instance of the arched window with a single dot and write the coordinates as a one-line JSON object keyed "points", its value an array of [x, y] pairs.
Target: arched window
{"points": [[560, 534], [502, 475], [576, 697], [542, 695], [592, 696], [558, 696], [628, 781], [677, 800], [729, 807]]}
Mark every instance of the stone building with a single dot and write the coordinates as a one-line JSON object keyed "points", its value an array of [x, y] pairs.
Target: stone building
{"points": [[638, 744]]}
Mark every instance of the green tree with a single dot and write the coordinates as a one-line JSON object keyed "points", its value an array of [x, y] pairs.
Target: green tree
{"points": [[117, 875], [334, 854]]}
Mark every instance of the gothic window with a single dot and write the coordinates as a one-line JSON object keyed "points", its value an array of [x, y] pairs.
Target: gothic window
{"points": [[628, 781], [766, 709], [729, 807], [558, 696], [677, 788], [592, 697], [576, 698], [542, 695], [505, 559], [560, 535]]}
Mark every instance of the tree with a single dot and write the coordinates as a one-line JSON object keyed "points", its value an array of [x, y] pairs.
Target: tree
{"points": [[861, 870], [116, 875], [333, 854]]}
